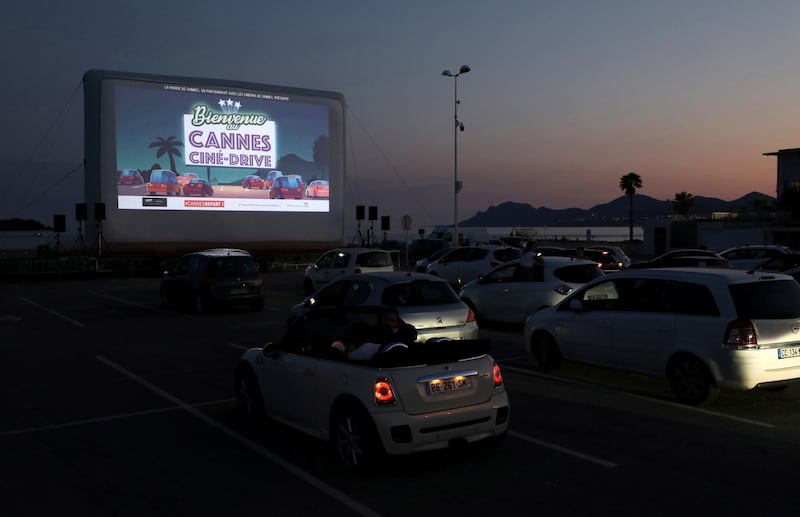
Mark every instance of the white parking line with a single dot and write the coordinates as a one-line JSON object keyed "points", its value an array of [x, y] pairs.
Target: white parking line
{"points": [[107, 418], [142, 306], [54, 313], [564, 450], [676, 405], [317, 483]]}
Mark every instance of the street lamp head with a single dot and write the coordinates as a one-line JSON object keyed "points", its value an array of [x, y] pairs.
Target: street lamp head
{"points": [[464, 69], [448, 73]]}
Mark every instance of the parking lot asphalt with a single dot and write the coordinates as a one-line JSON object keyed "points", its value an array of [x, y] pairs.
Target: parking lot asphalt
{"points": [[114, 405]]}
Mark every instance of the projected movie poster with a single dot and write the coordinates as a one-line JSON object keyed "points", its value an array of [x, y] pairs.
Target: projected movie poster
{"points": [[181, 147]]}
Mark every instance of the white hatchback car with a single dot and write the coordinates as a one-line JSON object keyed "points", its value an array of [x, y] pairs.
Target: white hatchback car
{"points": [[701, 328], [345, 261], [424, 301], [503, 296], [466, 263]]}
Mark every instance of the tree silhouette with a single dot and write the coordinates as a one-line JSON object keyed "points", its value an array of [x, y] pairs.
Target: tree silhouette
{"points": [[628, 184], [682, 203], [168, 146], [321, 155]]}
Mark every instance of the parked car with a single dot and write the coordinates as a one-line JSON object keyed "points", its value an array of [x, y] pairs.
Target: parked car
{"points": [[753, 255], [198, 187], [345, 261], [163, 181], [253, 181], [286, 187], [271, 175], [703, 329], [214, 278], [683, 258], [504, 295], [421, 266], [130, 177], [424, 301], [186, 177], [317, 189], [781, 263], [405, 400], [466, 263], [617, 255]]}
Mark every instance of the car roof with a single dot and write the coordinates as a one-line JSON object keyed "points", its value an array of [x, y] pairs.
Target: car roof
{"points": [[394, 276], [356, 250], [778, 247], [727, 275], [223, 252]]}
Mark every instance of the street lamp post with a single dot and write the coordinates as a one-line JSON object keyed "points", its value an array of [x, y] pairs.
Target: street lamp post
{"points": [[458, 127]]}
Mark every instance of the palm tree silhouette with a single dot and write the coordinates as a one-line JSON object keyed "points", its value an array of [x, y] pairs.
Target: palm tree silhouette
{"points": [[168, 146], [628, 184], [682, 203]]}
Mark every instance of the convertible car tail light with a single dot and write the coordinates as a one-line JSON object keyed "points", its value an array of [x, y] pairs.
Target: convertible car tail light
{"points": [[384, 394], [498, 377], [470, 315], [740, 335]]}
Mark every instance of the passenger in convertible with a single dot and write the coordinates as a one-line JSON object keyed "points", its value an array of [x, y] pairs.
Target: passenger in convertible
{"points": [[389, 331]]}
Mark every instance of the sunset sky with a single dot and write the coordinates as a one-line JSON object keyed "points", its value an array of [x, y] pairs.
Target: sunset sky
{"points": [[563, 99]]}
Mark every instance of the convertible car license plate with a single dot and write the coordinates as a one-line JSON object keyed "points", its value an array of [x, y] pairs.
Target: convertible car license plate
{"points": [[439, 386], [239, 291], [786, 353]]}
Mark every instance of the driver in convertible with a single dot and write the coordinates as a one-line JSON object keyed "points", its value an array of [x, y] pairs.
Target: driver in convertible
{"points": [[389, 331]]}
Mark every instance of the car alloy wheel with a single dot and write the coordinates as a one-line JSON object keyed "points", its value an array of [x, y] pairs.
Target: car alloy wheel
{"points": [[200, 305], [249, 402], [692, 383], [354, 439], [545, 350]]}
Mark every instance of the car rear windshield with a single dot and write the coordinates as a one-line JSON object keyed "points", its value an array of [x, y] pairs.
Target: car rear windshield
{"points": [[578, 273], [422, 292], [507, 254], [767, 300], [233, 265], [374, 259]]}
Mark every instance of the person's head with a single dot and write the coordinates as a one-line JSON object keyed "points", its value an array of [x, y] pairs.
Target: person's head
{"points": [[390, 318]]}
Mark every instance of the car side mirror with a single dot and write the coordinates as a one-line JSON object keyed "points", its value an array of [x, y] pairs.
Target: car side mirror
{"points": [[270, 350], [575, 305]]}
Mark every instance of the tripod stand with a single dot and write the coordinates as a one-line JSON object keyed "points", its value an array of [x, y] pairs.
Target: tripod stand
{"points": [[80, 242], [359, 237], [100, 241]]}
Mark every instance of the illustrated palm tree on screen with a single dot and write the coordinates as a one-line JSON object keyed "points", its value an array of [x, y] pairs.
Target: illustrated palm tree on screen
{"points": [[628, 184], [682, 203], [168, 146]]}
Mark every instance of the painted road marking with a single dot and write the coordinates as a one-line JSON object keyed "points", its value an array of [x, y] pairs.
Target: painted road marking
{"points": [[676, 405], [312, 480], [54, 313]]}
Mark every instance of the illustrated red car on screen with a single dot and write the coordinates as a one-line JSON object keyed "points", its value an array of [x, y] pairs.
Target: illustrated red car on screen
{"points": [[286, 187], [130, 177], [318, 188], [198, 187], [186, 177], [163, 181], [253, 181]]}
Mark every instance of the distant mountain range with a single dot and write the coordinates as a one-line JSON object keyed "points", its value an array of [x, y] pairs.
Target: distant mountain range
{"points": [[512, 214]]}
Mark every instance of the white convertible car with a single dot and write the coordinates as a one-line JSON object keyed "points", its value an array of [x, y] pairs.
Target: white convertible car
{"points": [[408, 399]]}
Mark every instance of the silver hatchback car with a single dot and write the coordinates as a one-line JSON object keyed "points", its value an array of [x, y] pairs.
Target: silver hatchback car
{"points": [[424, 301]]}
